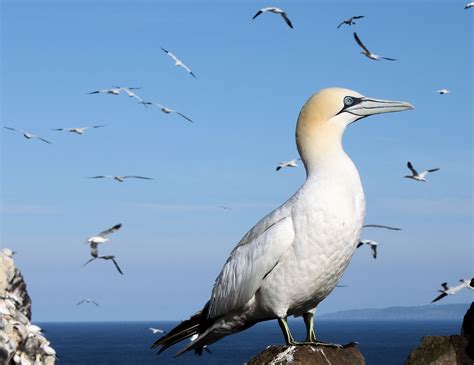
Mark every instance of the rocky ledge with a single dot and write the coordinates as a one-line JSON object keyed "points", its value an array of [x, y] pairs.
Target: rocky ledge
{"points": [[20, 341], [308, 355]]}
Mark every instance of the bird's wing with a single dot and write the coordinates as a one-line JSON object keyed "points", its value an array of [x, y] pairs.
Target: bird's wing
{"points": [[98, 177], [359, 42], [360, 244], [410, 166], [433, 170], [248, 265], [13, 129], [97, 304], [358, 17], [388, 58], [170, 54], [287, 20], [185, 117], [58, 129], [137, 177], [97, 126], [374, 251], [44, 140], [382, 226], [258, 13], [116, 265], [341, 24], [82, 301], [94, 251], [442, 295], [445, 286], [89, 261], [110, 230]]}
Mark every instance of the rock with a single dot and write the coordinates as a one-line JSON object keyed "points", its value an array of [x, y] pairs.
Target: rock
{"points": [[19, 339], [308, 355], [447, 350]]}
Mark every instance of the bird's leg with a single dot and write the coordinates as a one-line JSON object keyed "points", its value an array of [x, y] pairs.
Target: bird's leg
{"points": [[290, 341], [309, 323]]}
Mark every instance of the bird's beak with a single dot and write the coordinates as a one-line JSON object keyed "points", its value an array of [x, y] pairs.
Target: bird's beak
{"points": [[369, 106]]}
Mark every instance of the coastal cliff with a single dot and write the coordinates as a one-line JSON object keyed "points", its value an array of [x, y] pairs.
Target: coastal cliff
{"points": [[20, 341]]}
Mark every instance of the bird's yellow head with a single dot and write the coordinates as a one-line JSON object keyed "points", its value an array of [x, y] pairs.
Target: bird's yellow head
{"points": [[326, 114]]}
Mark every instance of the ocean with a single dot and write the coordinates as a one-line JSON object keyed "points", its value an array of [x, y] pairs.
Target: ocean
{"points": [[117, 343]]}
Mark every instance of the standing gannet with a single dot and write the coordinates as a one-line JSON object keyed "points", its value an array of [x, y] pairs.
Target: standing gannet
{"points": [[418, 176], [275, 11], [465, 283], [369, 54], [350, 21], [291, 163], [294, 257]]}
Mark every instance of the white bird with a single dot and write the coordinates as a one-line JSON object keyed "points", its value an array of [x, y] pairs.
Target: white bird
{"points": [[116, 90], [382, 226], [275, 11], [225, 207], [465, 283], [469, 5], [156, 330], [369, 54], [178, 62], [120, 178], [88, 301], [48, 350], [166, 110], [102, 236], [131, 94], [418, 176], [350, 21], [27, 135], [372, 244], [443, 91], [294, 257], [291, 163], [78, 130]]}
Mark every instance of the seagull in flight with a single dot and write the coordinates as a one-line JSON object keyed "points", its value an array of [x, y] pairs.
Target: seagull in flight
{"points": [[443, 91], [102, 236], [108, 257], [369, 54], [275, 11], [156, 330], [166, 110], [78, 130], [469, 5], [418, 176], [120, 178], [465, 283], [293, 258], [27, 135], [381, 226], [350, 21], [178, 62], [88, 301], [291, 163], [372, 244]]}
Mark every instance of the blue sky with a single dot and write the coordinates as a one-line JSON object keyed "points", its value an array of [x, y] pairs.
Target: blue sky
{"points": [[253, 76]]}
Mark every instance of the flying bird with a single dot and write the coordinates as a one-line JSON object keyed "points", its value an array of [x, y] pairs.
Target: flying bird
{"points": [[166, 110], [292, 259], [275, 11], [350, 21], [443, 91], [369, 54], [178, 62], [131, 94], [381, 226], [27, 135], [78, 130], [116, 90], [120, 178], [225, 207], [107, 258], [102, 236], [465, 283], [418, 176], [88, 301], [372, 244], [156, 330], [291, 163], [469, 5]]}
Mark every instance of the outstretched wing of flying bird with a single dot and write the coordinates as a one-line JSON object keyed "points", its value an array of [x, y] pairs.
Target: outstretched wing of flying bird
{"points": [[116, 265], [360, 244], [89, 261], [442, 295], [382, 226], [445, 286], [287, 20], [359, 42], [110, 230], [410, 166]]}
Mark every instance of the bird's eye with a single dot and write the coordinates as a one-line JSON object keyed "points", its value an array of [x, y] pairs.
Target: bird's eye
{"points": [[348, 101]]}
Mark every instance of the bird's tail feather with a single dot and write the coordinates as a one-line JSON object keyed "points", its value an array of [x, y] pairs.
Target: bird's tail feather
{"points": [[181, 332]]}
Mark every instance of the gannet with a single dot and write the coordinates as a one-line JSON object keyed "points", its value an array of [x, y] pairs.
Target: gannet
{"points": [[88, 301], [102, 236], [120, 178], [78, 130], [372, 244], [156, 330], [291, 163], [116, 90], [381, 226], [418, 176], [469, 5], [27, 135], [465, 283], [131, 94], [350, 21], [443, 91], [107, 258], [369, 54], [275, 11], [294, 257], [166, 110], [178, 62]]}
